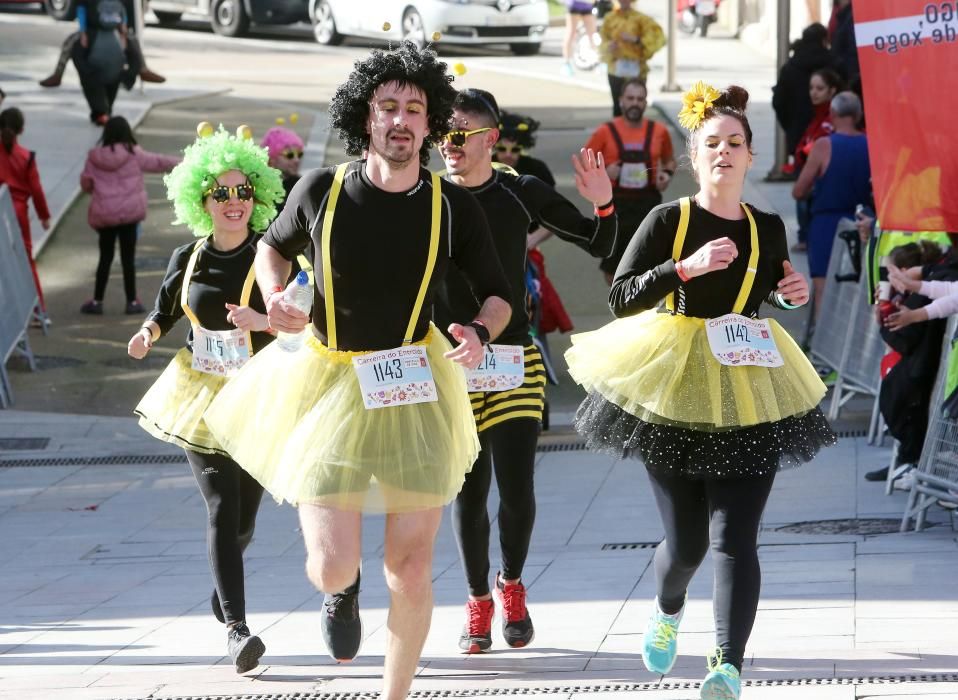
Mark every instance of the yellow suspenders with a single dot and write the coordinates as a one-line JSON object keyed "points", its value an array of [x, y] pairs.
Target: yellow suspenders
{"points": [[185, 289], [328, 271], [685, 206]]}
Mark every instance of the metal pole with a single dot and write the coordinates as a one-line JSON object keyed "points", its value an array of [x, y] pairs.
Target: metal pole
{"points": [[672, 30], [782, 37]]}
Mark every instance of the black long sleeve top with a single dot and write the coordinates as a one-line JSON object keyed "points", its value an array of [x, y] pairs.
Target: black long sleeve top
{"points": [[217, 279], [378, 251], [514, 205], [646, 273]]}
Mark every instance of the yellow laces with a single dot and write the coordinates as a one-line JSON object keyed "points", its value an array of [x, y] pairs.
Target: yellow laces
{"points": [[714, 663], [665, 633]]}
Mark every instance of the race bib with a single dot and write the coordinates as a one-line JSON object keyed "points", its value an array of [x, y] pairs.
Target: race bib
{"points": [[222, 353], [626, 68], [634, 176], [736, 340], [502, 368], [395, 377]]}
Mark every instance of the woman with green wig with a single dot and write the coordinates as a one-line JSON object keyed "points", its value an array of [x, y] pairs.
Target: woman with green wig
{"points": [[225, 192]]}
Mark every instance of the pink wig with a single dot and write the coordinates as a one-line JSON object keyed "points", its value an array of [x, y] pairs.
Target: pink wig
{"points": [[278, 138]]}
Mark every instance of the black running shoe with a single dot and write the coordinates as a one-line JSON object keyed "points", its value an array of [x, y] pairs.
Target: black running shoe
{"points": [[217, 608], [244, 648], [877, 475], [517, 627], [342, 626]]}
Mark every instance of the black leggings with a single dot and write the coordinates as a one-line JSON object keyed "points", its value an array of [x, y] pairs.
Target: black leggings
{"points": [[232, 498], [126, 233], [725, 513], [511, 447]]}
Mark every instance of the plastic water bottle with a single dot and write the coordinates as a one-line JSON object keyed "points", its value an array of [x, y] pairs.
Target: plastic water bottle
{"points": [[300, 295]]}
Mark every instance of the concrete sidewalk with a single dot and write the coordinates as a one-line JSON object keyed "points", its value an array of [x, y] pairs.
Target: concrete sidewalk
{"points": [[105, 588]]}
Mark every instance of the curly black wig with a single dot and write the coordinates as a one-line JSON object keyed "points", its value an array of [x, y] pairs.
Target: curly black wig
{"points": [[406, 65], [519, 128]]}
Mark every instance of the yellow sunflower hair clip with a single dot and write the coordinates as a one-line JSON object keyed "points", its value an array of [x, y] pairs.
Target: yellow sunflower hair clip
{"points": [[695, 105]]}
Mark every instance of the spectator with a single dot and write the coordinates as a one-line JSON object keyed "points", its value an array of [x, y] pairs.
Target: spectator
{"points": [[790, 97], [916, 333], [824, 84], [838, 178], [638, 156], [18, 171], [113, 175], [629, 40], [844, 47], [579, 14], [100, 55], [134, 50], [285, 149]]}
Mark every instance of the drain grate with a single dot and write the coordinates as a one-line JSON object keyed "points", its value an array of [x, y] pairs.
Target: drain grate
{"points": [[613, 546], [31, 443], [567, 446], [579, 689], [856, 433], [851, 526], [93, 461]]}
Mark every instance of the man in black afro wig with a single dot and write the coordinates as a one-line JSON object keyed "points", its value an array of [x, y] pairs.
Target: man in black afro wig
{"points": [[406, 65]]}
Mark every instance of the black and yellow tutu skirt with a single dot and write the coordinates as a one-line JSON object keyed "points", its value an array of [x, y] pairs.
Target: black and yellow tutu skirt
{"points": [[655, 391], [296, 422], [172, 409]]}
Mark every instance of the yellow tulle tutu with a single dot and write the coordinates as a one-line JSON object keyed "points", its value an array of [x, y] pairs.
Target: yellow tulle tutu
{"points": [[659, 368], [296, 422], [172, 409]]}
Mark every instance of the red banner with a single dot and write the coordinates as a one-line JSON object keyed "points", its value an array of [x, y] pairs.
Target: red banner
{"points": [[907, 50]]}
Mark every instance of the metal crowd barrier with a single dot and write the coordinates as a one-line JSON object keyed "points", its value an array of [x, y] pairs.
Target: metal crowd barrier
{"points": [[936, 476], [847, 337], [18, 295]]}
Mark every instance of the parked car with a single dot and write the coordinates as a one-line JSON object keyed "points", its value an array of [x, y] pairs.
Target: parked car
{"points": [[232, 17], [519, 23], [227, 17]]}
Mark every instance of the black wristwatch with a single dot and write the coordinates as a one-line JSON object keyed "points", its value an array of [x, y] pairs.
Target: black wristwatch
{"points": [[480, 328]]}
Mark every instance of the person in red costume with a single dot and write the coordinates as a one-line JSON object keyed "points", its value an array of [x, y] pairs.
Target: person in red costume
{"points": [[18, 171]]}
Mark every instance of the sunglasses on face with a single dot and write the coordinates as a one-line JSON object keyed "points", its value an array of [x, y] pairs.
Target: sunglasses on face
{"points": [[458, 138], [222, 193], [292, 153], [509, 149]]}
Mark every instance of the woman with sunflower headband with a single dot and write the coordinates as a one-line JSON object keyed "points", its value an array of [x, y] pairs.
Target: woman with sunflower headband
{"points": [[713, 399], [225, 192]]}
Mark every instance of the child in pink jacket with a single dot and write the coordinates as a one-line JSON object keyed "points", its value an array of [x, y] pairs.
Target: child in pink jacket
{"points": [[113, 175]]}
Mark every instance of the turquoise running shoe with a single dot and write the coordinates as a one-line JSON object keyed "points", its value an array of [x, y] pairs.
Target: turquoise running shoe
{"points": [[659, 644], [723, 681]]}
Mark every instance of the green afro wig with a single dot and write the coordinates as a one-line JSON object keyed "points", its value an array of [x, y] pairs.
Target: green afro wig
{"points": [[208, 158]]}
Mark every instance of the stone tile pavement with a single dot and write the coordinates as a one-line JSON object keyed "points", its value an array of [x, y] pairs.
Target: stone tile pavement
{"points": [[104, 589]]}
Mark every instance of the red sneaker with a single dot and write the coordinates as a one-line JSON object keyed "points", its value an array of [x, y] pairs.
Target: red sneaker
{"points": [[477, 632], [517, 626]]}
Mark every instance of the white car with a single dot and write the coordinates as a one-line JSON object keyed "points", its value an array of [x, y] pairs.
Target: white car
{"points": [[519, 23]]}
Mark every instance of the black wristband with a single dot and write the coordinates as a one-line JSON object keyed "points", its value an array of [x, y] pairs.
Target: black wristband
{"points": [[606, 205], [481, 331]]}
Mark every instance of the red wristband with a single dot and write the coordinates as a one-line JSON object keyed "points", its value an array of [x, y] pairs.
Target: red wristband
{"points": [[605, 211], [683, 275]]}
